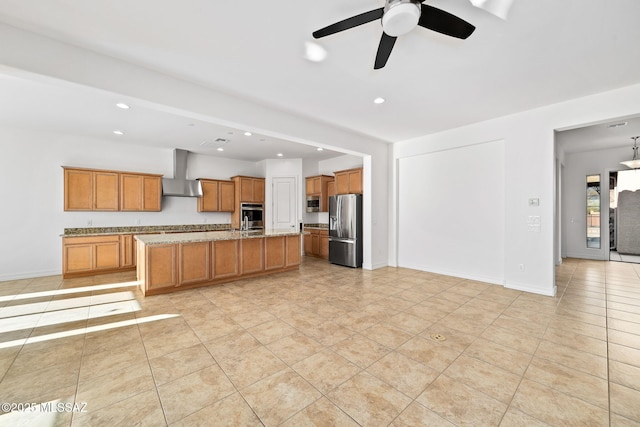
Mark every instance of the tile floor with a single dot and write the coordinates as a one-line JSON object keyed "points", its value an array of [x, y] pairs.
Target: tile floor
{"points": [[325, 345]]}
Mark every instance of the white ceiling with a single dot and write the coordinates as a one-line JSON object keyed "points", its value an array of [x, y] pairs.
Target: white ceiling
{"points": [[547, 51]]}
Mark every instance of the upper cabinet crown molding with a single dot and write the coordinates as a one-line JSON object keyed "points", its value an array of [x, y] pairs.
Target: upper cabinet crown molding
{"points": [[111, 191]]}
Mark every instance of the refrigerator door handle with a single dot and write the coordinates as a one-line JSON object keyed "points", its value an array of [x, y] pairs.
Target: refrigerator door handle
{"points": [[335, 239]]}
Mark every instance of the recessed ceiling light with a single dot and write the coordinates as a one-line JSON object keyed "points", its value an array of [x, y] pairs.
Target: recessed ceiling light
{"points": [[122, 105], [118, 132], [248, 134], [220, 149], [319, 148], [314, 52], [279, 154], [378, 100]]}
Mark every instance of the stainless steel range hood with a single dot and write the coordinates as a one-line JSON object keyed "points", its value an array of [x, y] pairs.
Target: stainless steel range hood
{"points": [[180, 186]]}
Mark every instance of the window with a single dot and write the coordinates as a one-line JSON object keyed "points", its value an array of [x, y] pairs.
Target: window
{"points": [[593, 211]]}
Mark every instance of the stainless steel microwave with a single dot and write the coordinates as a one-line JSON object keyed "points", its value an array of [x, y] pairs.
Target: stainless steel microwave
{"points": [[313, 203]]}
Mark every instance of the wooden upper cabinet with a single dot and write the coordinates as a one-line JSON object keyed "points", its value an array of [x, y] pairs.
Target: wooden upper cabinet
{"points": [[249, 189], [78, 190], [217, 196], [319, 186], [140, 192], [98, 190], [349, 181]]}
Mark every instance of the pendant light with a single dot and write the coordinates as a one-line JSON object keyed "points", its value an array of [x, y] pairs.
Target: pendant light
{"points": [[635, 162]]}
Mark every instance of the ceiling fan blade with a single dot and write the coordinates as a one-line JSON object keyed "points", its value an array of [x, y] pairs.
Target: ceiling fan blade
{"points": [[348, 23], [384, 50], [443, 22]]}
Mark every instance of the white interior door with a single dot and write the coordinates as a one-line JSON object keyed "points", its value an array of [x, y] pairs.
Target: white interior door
{"points": [[285, 202]]}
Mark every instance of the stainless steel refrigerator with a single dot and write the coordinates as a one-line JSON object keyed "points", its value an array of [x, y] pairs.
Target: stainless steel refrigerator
{"points": [[345, 230]]}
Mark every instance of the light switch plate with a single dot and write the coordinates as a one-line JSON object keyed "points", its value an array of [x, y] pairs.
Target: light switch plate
{"points": [[534, 202]]}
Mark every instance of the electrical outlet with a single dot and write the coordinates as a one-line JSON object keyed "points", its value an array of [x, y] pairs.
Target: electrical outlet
{"points": [[521, 267], [89, 222]]}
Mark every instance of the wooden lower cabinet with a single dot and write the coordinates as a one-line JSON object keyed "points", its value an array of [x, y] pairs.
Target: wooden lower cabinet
{"points": [[251, 255], [82, 256], [274, 253], [292, 250], [169, 267], [225, 259], [127, 251], [316, 243], [161, 266], [194, 262]]}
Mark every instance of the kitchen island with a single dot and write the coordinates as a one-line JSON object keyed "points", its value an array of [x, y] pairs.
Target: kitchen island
{"points": [[172, 262]]}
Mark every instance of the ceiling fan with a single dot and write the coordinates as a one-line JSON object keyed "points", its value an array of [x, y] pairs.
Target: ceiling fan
{"points": [[398, 18]]}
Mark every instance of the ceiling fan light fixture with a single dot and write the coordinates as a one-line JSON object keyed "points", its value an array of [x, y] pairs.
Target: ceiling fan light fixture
{"points": [[634, 163], [400, 17]]}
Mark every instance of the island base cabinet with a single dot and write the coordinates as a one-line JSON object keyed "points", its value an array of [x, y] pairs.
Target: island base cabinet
{"points": [[194, 260], [274, 252], [225, 259], [251, 256], [160, 265], [292, 251]]}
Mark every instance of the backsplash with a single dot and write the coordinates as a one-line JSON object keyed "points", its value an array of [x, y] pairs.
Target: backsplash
{"points": [[145, 229]]}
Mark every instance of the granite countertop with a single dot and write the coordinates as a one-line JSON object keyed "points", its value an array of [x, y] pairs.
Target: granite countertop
{"points": [[319, 226], [143, 229], [158, 239]]}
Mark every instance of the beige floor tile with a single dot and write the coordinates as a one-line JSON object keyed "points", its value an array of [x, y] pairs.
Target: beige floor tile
{"points": [[417, 415], [251, 366], [569, 381], [43, 355], [143, 409], [516, 418], [232, 411], [431, 353], [404, 374], [193, 392], [321, 413], [556, 408], [328, 333], [581, 328], [621, 353], [105, 390], [294, 348], [276, 398], [620, 421], [499, 355], [326, 370], [572, 358], [271, 331], [454, 339], [110, 339], [461, 404], [624, 374], [519, 326], [368, 400], [482, 376], [26, 386], [577, 341], [387, 335], [624, 401], [104, 362], [505, 337], [232, 345], [408, 322], [360, 350], [183, 362]]}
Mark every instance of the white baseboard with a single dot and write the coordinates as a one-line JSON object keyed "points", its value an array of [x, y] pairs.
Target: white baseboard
{"points": [[585, 255], [528, 288], [467, 276], [30, 275]]}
